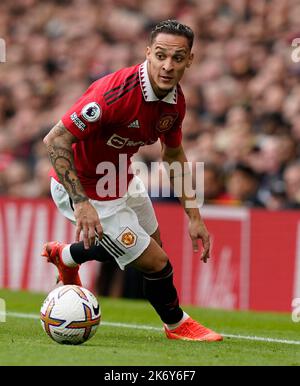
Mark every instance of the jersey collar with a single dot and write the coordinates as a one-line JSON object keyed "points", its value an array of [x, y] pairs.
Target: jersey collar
{"points": [[147, 89]]}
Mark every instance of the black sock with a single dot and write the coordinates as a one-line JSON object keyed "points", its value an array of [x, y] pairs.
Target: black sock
{"points": [[96, 252], [161, 293]]}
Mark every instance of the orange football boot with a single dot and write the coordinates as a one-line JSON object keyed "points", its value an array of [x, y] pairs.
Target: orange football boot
{"points": [[68, 275], [192, 330]]}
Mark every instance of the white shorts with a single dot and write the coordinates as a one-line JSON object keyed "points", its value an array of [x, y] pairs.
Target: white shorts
{"points": [[127, 222]]}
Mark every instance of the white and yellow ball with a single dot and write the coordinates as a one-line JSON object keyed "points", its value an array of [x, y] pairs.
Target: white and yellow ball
{"points": [[70, 315]]}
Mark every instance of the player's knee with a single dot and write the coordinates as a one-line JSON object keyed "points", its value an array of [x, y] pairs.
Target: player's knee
{"points": [[161, 262], [156, 237], [158, 263], [152, 260]]}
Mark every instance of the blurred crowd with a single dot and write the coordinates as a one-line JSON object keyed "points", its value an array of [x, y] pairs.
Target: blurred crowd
{"points": [[242, 92]]}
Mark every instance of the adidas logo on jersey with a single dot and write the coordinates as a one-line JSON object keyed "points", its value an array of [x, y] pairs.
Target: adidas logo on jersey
{"points": [[135, 124]]}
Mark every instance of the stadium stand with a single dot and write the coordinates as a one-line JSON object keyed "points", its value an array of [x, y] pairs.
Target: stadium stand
{"points": [[242, 92]]}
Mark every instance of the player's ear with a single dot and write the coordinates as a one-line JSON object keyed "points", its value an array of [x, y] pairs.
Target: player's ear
{"points": [[190, 61], [148, 52]]}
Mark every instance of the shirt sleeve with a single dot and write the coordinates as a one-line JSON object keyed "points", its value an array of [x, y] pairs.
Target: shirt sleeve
{"points": [[87, 115]]}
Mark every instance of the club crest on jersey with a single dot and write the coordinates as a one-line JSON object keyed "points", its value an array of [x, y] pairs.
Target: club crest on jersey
{"points": [[127, 238], [91, 112], [166, 122]]}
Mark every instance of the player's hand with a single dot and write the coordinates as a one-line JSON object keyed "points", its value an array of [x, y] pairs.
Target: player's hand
{"points": [[197, 230], [87, 222]]}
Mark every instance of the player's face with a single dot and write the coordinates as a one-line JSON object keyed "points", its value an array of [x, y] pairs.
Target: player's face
{"points": [[168, 57]]}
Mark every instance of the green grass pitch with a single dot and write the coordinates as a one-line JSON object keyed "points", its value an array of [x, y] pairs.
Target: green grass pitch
{"points": [[125, 339]]}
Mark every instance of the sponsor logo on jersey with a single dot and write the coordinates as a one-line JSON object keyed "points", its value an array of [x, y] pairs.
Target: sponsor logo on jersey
{"points": [[166, 122], [78, 122], [127, 238], [91, 112], [119, 142]]}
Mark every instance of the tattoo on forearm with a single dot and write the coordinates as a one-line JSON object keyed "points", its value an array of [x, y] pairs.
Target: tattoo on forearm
{"points": [[59, 129], [62, 160]]}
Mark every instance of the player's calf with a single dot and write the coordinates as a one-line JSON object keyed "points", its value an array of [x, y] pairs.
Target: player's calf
{"points": [[161, 293]]}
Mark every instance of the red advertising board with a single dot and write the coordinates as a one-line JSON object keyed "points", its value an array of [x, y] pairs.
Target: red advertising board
{"points": [[25, 225], [255, 260], [275, 259], [224, 281]]}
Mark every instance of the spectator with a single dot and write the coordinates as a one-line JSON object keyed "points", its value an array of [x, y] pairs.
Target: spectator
{"points": [[242, 92], [242, 187], [214, 185], [292, 185]]}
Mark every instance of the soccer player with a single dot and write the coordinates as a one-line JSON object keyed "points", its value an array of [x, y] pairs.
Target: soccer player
{"points": [[113, 118]]}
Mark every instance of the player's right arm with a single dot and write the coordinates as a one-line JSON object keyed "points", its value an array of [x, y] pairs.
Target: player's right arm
{"points": [[59, 146]]}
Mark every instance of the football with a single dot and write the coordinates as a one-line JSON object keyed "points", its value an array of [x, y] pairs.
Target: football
{"points": [[70, 315]]}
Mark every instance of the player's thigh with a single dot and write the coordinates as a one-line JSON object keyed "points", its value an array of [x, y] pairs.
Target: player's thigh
{"points": [[123, 237], [128, 243], [141, 204]]}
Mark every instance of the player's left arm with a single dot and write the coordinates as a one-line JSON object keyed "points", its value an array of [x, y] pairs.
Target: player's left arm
{"points": [[183, 188]]}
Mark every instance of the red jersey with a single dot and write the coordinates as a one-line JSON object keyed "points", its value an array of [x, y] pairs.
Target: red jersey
{"points": [[115, 116]]}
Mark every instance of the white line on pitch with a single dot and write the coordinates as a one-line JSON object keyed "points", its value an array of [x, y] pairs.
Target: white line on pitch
{"points": [[152, 328]]}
